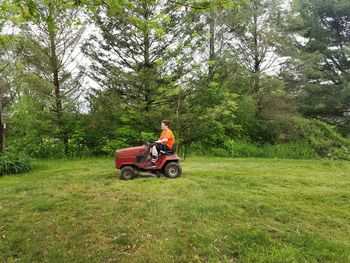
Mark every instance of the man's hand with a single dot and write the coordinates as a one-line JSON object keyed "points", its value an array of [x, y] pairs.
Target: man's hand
{"points": [[162, 140]]}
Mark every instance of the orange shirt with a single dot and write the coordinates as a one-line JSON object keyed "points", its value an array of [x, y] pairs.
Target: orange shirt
{"points": [[171, 139]]}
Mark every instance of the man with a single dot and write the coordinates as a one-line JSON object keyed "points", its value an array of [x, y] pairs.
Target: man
{"points": [[165, 142]]}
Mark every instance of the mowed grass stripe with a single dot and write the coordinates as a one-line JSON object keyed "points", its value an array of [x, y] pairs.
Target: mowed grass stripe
{"points": [[220, 210]]}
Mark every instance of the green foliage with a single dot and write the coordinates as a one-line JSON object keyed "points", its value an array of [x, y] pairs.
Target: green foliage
{"points": [[111, 145], [282, 137], [265, 131], [30, 128], [43, 80], [245, 115], [322, 137], [44, 147], [208, 66], [126, 137], [14, 163], [320, 64], [238, 148], [339, 153]]}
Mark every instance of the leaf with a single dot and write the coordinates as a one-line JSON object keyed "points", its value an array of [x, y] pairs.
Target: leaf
{"points": [[214, 84], [212, 63]]}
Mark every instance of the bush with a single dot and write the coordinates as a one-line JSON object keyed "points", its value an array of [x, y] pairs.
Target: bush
{"points": [[289, 151], [14, 164], [111, 145], [323, 138], [265, 131], [238, 148], [41, 147], [297, 136], [342, 153]]}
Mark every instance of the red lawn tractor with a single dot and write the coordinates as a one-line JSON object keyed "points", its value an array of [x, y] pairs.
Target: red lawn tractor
{"points": [[134, 161]]}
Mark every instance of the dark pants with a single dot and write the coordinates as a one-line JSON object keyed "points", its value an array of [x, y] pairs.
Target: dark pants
{"points": [[162, 147], [159, 147]]}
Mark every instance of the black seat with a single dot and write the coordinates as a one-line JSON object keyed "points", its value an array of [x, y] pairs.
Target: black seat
{"points": [[171, 152]]}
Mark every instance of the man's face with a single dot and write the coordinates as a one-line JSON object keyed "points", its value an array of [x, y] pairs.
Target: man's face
{"points": [[163, 126]]}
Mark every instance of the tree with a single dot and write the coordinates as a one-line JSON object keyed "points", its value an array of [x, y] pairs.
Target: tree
{"points": [[2, 130], [141, 58], [5, 60], [5, 100], [210, 103], [51, 33], [321, 67], [255, 37]]}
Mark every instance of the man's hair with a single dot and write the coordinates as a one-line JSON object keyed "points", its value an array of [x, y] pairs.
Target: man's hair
{"points": [[166, 122]]}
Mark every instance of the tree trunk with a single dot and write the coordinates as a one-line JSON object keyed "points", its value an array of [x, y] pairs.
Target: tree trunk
{"points": [[56, 82], [2, 130], [178, 119], [211, 45], [146, 54], [257, 60]]}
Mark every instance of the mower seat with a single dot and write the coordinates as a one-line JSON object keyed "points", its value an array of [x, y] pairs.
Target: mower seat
{"points": [[171, 152]]}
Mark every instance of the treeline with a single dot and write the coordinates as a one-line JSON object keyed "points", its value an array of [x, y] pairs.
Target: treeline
{"points": [[236, 78]]}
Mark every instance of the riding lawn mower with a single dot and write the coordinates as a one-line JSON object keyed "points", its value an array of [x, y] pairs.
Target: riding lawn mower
{"points": [[135, 161]]}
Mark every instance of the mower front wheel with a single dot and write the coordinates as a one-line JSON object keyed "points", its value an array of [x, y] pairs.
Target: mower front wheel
{"points": [[173, 170], [127, 173]]}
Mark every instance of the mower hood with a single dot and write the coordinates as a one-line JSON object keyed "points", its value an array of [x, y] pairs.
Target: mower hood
{"points": [[131, 151]]}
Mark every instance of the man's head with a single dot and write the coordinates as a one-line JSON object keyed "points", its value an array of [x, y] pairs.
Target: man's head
{"points": [[165, 124]]}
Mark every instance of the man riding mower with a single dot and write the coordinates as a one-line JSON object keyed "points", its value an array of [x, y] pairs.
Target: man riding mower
{"points": [[134, 161]]}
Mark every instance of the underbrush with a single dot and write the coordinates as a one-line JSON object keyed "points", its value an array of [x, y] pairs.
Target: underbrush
{"points": [[14, 164], [233, 148]]}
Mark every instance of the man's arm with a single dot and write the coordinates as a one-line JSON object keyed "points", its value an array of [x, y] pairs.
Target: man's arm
{"points": [[162, 140]]}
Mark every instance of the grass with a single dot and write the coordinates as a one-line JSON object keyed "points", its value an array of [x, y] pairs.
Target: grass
{"points": [[220, 210]]}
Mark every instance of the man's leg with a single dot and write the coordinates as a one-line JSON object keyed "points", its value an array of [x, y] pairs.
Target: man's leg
{"points": [[154, 154], [155, 151]]}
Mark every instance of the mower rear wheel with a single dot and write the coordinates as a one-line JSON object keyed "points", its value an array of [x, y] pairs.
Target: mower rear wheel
{"points": [[127, 173], [173, 170]]}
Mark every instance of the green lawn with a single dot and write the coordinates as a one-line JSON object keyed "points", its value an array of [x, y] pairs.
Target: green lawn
{"points": [[220, 210]]}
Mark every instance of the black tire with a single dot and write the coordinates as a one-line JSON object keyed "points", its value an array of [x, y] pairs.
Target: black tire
{"points": [[173, 170], [127, 173]]}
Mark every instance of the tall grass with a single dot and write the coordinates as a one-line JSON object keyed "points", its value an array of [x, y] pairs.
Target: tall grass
{"points": [[234, 148], [14, 164]]}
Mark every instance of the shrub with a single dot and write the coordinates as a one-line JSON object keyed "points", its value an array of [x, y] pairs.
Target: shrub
{"points": [[290, 150], [14, 164], [323, 138], [265, 131], [239, 148], [342, 153], [293, 135], [42, 147], [112, 145]]}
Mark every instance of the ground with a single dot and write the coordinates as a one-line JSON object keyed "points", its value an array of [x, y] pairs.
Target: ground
{"points": [[220, 210]]}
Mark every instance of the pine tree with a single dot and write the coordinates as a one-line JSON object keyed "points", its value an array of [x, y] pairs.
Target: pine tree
{"points": [[322, 66], [51, 33], [141, 54]]}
